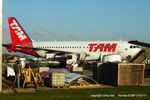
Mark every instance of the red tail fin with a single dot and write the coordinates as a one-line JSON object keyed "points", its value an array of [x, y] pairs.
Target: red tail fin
{"points": [[17, 32]]}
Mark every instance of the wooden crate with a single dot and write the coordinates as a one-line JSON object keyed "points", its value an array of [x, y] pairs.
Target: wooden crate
{"points": [[120, 74]]}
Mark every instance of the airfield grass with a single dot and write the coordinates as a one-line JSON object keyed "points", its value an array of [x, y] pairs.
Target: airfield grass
{"points": [[81, 94]]}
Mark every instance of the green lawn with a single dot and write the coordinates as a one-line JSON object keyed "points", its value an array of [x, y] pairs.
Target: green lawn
{"points": [[82, 94]]}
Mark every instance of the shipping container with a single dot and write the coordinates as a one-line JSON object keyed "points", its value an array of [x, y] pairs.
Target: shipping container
{"points": [[120, 74]]}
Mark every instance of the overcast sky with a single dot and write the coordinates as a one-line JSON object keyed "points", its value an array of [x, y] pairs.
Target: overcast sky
{"points": [[80, 19]]}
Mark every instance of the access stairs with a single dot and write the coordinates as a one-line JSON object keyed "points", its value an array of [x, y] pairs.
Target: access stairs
{"points": [[139, 58]]}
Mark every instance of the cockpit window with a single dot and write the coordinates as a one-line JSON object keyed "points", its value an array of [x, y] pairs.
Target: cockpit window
{"points": [[131, 46], [134, 46]]}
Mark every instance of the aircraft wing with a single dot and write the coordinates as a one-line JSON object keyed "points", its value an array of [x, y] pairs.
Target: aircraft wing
{"points": [[136, 42], [58, 52]]}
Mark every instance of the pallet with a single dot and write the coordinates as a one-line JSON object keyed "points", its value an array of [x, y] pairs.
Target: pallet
{"points": [[58, 87], [86, 86]]}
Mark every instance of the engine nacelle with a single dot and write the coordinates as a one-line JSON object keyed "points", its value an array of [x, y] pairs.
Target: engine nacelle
{"points": [[50, 55], [112, 58], [53, 56]]}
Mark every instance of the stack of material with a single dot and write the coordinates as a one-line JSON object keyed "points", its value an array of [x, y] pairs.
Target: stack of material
{"points": [[121, 74], [74, 80], [57, 79]]}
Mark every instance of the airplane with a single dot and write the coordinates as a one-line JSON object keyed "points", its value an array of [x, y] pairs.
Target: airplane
{"points": [[77, 50]]}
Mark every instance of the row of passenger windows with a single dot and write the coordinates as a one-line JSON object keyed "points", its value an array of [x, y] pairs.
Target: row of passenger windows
{"points": [[73, 47], [63, 47]]}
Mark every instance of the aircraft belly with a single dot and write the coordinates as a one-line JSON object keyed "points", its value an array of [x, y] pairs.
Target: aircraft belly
{"points": [[41, 53], [93, 56]]}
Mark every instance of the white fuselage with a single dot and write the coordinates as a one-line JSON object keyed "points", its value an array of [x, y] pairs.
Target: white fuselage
{"points": [[94, 49]]}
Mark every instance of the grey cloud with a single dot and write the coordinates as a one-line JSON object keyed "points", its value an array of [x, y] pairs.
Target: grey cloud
{"points": [[43, 30], [52, 34], [71, 36]]}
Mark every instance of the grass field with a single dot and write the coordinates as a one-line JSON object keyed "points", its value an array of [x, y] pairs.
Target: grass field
{"points": [[83, 94]]}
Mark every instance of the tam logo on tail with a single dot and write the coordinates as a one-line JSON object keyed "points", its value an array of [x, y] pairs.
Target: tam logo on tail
{"points": [[18, 30]]}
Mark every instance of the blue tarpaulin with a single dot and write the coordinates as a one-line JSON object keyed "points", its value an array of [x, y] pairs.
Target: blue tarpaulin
{"points": [[72, 76]]}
